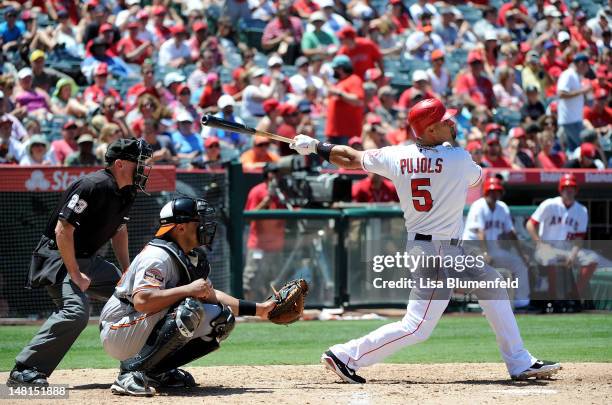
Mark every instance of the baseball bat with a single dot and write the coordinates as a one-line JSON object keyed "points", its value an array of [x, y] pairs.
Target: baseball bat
{"points": [[214, 122]]}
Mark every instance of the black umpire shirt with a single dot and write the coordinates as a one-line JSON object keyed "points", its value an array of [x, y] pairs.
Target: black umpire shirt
{"points": [[96, 207]]}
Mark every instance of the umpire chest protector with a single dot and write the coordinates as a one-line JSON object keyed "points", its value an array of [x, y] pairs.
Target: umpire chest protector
{"points": [[188, 271]]}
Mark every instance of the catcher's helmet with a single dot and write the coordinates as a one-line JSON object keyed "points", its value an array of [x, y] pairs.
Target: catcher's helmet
{"points": [[492, 184], [184, 209], [428, 112], [567, 180]]}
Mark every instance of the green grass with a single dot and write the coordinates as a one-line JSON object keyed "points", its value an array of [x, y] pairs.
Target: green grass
{"points": [[568, 338]]}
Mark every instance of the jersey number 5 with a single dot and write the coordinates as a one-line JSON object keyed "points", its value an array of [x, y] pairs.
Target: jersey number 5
{"points": [[421, 197]]}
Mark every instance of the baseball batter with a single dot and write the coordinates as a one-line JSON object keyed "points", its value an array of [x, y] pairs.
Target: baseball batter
{"points": [[558, 224], [431, 178], [489, 221], [164, 312]]}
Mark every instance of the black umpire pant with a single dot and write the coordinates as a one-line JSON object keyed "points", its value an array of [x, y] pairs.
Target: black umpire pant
{"points": [[49, 346]]}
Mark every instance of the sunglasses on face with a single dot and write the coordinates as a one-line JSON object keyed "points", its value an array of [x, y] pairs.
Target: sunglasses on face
{"points": [[214, 145], [263, 145]]}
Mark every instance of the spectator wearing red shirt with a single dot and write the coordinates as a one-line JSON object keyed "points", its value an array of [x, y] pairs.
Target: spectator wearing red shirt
{"points": [[345, 103], [95, 93], [283, 34], [374, 189], [548, 158], [475, 89], [67, 145], [212, 91], [364, 53], [513, 4], [475, 150], [399, 16], [401, 134], [305, 8], [161, 33], [551, 57], [200, 33], [131, 49], [494, 155], [266, 237], [288, 127], [107, 33], [420, 86], [238, 83], [600, 115], [147, 86], [602, 79]]}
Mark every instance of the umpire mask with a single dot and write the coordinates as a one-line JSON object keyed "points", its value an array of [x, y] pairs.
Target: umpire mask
{"points": [[133, 150]]}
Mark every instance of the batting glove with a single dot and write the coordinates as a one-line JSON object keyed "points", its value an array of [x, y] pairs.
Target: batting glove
{"points": [[304, 145]]}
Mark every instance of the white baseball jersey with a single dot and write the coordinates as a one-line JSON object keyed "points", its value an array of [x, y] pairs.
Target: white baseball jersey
{"points": [[558, 222], [431, 183], [493, 223]]}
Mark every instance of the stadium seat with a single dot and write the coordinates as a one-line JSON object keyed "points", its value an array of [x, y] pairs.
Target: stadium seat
{"points": [[251, 30], [507, 117]]}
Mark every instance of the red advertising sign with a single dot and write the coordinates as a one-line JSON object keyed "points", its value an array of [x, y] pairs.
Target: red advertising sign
{"points": [[58, 178]]}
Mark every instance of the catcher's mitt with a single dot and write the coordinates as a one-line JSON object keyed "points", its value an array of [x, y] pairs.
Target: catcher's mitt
{"points": [[289, 302]]}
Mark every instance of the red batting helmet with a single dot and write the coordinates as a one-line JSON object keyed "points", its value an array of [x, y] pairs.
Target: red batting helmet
{"points": [[492, 184], [567, 180], [428, 112]]}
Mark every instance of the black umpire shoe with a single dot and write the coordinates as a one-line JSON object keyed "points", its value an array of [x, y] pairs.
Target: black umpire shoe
{"points": [[539, 370], [23, 375], [175, 378], [334, 364]]}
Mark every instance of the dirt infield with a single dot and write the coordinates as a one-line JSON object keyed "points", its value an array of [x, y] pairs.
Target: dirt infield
{"points": [[577, 383]]}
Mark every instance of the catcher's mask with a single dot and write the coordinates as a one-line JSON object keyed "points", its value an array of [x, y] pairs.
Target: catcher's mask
{"points": [[183, 210], [133, 150]]}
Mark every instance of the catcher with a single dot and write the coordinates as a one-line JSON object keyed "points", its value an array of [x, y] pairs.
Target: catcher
{"points": [[165, 312]]}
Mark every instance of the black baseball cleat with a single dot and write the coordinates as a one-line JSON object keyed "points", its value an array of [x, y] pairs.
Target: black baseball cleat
{"points": [[132, 383], [539, 370], [334, 364], [175, 378], [21, 376]]}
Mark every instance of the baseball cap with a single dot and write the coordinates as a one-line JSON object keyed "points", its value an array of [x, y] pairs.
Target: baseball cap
{"points": [[25, 72], [580, 57], [10, 11], [588, 150], [437, 54], [177, 29], [106, 27], [341, 61], [275, 60], [184, 116], [549, 44], [132, 2], [555, 72], [347, 32], [256, 72], [226, 101], [588, 135], [325, 3], [38, 139], [419, 75], [374, 119], [492, 184], [301, 61], [490, 35], [101, 69], [37, 54], [70, 124], [317, 16], [567, 180], [517, 132], [210, 141], [563, 36], [85, 138], [199, 25], [473, 145], [287, 109], [531, 88], [124, 149], [173, 77], [428, 112], [492, 138], [601, 94], [532, 56], [133, 24], [142, 14], [182, 87], [492, 127], [474, 56], [270, 105], [551, 11]]}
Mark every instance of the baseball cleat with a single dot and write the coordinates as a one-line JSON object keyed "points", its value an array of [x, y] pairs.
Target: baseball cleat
{"points": [[539, 370], [133, 383], [334, 364], [27, 377], [175, 378]]}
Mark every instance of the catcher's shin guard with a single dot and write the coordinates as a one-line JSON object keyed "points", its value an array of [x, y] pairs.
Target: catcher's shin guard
{"points": [[170, 335]]}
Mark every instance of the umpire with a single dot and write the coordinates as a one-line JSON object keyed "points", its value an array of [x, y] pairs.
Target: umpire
{"points": [[93, 210]]}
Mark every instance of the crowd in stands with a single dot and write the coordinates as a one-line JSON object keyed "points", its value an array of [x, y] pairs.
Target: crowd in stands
{"points": [[531, 79]]}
